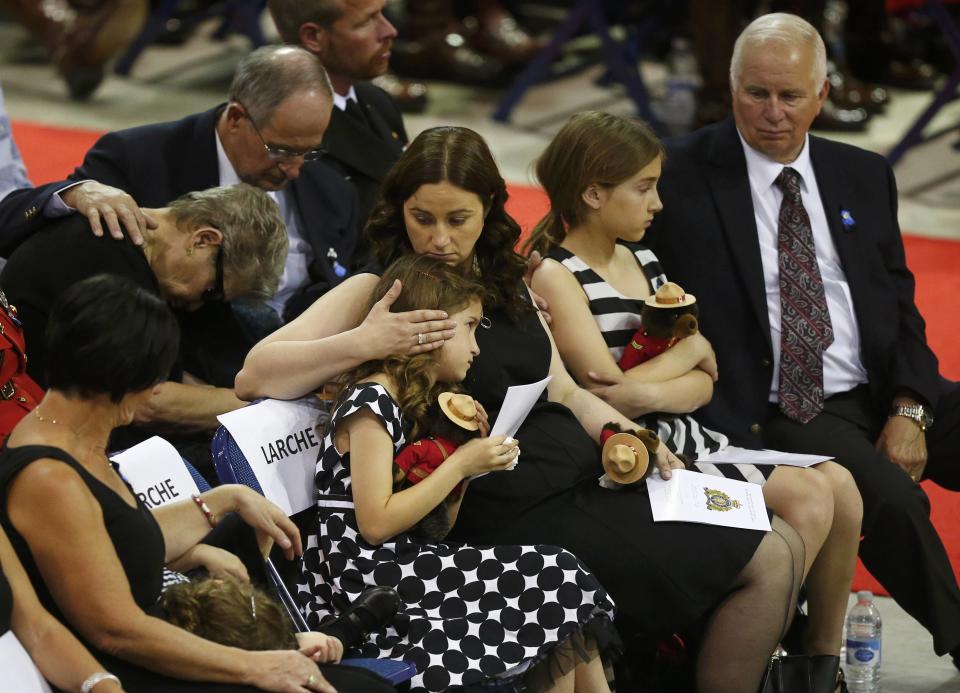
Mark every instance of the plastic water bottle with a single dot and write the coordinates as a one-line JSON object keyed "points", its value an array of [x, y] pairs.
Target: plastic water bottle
{"points": [[863, 645], [678, 108]]}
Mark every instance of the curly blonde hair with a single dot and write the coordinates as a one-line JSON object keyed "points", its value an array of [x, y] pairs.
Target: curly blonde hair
{"points": [[427, 283], [229, 613]]}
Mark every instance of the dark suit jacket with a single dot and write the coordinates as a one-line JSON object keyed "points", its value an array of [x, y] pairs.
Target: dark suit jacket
{"points": [[157, 163], [364, 155], [706, 238]]}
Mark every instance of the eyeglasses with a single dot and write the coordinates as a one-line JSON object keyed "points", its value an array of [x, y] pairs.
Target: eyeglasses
{"points": [[281, 154], [216, 295]]}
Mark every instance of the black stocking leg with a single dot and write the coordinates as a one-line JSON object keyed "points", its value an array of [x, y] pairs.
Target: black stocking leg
{"points": [[747, 625]]}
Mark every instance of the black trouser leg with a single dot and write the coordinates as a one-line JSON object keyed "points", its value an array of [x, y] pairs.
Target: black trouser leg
{"points": [[900, 546]]}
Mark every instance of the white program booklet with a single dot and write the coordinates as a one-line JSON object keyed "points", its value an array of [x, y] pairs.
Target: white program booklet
{"points": [[517, 403], [713, 500], [735, 455]]}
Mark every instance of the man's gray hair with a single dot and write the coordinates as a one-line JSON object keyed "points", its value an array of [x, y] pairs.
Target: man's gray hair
{"points": [[266, 77], [785, 29], [254, 235], [290, 15]]}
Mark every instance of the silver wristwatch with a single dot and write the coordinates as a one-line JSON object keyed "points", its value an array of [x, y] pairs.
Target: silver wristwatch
{"points": [[917, 412]]}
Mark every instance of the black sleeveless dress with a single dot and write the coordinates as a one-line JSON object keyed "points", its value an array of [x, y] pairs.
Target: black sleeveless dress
{"points": [[6, 604], [662, 576], [139, 544]]}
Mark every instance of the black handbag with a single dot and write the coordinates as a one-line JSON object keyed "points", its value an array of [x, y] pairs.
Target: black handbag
{"points": [[801, 674]]}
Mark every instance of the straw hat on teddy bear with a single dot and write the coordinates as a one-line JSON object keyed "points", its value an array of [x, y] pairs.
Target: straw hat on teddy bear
{"points": [[670, 295], [459, 408], [625, 458]]}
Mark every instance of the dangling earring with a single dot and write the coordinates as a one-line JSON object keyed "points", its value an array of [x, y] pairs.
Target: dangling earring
{"points": [[190, 250]]}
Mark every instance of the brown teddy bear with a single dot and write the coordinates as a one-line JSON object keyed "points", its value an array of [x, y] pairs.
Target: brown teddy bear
{"points": [[667, 317], [626, 454], [455, 417]]}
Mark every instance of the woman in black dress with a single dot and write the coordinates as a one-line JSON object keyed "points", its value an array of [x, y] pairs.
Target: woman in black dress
{"points": [[445, 198], [95, 553]]}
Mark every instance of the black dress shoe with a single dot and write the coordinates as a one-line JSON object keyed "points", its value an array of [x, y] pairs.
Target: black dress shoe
{"points": [[372, 611], [835, 119], [955, 656], [410, 97], [446, 55], [848, 92]]}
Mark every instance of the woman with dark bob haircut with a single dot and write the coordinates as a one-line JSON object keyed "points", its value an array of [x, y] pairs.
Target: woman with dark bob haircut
{"points": [[95, 553], [445, 198]]}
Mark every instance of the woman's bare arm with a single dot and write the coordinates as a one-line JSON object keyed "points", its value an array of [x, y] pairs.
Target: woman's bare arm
{"points": [[59, 656], [591, 411], [334, 335], [660, 384]]}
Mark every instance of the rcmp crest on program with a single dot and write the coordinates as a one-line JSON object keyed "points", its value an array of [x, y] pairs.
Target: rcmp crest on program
{"points": [[719, 501]]}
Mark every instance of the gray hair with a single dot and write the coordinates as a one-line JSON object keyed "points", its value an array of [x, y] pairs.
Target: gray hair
{"points": [[254, 236], [290, 15], [785, 29], [268, 76]]}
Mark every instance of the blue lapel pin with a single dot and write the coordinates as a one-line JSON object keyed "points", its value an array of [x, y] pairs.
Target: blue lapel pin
{"points": [[849, 223]]}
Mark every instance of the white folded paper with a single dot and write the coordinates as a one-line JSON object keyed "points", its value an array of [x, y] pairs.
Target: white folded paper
{"points": [[735, 455], [517, 403], [713, 500]]}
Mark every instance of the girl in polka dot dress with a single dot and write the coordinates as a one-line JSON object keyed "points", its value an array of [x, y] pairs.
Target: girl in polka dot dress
{"points": [[520, 617]]}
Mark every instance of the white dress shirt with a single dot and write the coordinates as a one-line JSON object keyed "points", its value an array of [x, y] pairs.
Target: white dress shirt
{"points": [[842, 367], [299, 256], [341, 101]]}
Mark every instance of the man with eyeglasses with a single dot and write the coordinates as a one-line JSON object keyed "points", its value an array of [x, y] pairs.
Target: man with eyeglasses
{"points": [[268, 135]]}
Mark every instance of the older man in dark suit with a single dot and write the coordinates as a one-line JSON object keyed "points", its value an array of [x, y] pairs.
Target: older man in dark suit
{"points": [[353, 40], [792, 245]]}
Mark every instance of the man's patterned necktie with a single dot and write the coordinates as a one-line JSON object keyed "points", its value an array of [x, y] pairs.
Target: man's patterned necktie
{"points": [[805, 329]]}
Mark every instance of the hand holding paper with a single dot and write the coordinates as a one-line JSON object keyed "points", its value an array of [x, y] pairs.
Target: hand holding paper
{"points": [[516, 405]]}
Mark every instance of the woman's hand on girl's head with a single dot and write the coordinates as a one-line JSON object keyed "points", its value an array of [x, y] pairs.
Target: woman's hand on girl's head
{"points": [[666, 461], [483, 455], [286, 671], [269, 521], [412, 332], [320, 647]]}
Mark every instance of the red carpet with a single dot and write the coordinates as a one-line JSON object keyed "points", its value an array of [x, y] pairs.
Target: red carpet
{"points": [[51, 153]]}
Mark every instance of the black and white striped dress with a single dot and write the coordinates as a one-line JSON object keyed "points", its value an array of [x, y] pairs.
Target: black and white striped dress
{"points": [[618, 317]]}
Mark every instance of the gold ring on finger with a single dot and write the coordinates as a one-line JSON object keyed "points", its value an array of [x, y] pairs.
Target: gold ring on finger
{"points": [[311, 680]]}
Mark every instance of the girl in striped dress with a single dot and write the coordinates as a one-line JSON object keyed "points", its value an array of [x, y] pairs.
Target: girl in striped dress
{"points": [[600, 173]]}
